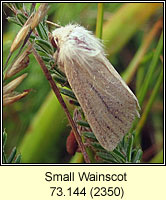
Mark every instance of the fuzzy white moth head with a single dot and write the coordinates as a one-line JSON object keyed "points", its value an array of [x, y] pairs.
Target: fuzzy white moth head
{"points": [[74, 40], [82, 37], [62, 34]]}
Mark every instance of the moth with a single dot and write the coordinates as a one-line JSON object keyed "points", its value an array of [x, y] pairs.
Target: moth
{"points": [[107, 102]]}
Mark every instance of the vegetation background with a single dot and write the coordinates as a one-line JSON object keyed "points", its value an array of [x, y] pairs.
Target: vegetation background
{"points": [[132, 34]]}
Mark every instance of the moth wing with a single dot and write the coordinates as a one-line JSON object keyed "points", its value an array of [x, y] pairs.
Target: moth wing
{"points": [[108, 104]]}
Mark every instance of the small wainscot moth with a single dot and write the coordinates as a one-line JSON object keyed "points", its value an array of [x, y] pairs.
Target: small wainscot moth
{"points": [[107, 102]]}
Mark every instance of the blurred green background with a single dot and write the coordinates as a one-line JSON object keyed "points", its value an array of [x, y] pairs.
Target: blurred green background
{"points": [[37, 125]]}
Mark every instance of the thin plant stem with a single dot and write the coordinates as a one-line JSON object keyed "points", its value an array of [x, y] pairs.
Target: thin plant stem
{"points": [[99, 24], [59, 97]]}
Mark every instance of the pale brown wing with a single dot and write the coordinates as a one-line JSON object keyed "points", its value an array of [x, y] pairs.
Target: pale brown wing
{"points": [[108, 104]]}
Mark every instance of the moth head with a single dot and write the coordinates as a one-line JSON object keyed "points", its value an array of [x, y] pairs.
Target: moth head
{"points": [[60, 35]]}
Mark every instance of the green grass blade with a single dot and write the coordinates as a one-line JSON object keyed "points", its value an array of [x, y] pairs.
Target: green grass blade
{"points": [[99, 24], [149, 104], [153, 65]]}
